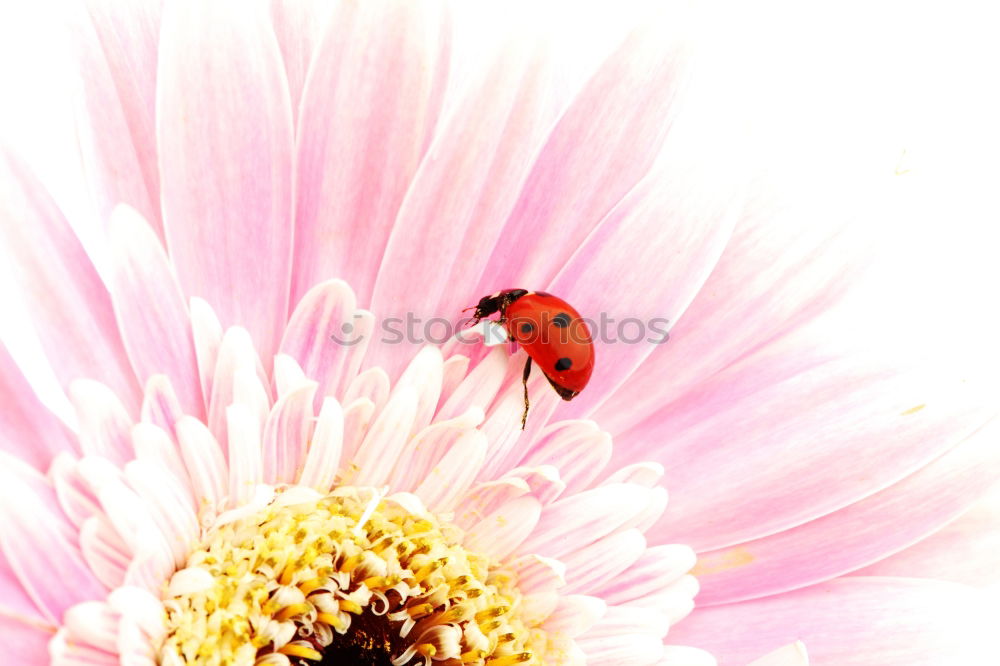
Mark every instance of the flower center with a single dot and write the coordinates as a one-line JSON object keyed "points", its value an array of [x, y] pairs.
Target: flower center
{"points": [[349, 578]]}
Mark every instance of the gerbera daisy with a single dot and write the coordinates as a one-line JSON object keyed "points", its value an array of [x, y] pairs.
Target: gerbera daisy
{"points": [[259, 475]]}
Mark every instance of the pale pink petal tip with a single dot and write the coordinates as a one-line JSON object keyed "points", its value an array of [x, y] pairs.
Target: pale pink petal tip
{"points": [[150, 308], [71, 309], [683, 655], [793, 654], [328, 335], [105, 425], [207, 333], [28, 429]]}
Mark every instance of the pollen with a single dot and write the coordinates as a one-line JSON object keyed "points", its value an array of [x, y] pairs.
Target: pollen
{"points": [[351, 577]]}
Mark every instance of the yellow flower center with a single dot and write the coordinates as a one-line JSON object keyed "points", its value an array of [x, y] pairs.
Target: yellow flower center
{"points": [[350, 578]]}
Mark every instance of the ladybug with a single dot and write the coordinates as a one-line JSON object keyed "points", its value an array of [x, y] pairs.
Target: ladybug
{"points": [[550, 331]]}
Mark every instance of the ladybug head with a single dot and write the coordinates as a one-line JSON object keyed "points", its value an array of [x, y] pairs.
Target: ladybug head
{"points": [[486, 306]]}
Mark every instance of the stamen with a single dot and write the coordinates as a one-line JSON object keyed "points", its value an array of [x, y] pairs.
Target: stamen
{"points": [[293, 650], [349, 578], [289, 612], [350, 606], [510, 659]]}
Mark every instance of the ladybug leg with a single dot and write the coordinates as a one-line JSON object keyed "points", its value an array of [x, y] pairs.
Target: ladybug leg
{"points": [[524, 380]]}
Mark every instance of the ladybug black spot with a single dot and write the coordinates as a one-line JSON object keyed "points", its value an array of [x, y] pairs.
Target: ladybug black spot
{"points": [[527, 329], [561, 320], [564, 364]]}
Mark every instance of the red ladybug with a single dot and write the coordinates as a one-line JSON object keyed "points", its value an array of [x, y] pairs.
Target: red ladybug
{"points": [[550, 331]]}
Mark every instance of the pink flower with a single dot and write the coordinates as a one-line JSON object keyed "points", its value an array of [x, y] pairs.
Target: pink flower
{"points": [[240, 486]]}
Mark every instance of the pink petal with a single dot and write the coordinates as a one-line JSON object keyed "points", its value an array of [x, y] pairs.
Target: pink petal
{"points": [[154, 446], [793, 654], [463, 192], [657, 247], [652, 512], [774, 276], [103, 551], [428, 447], [385, 440], [370, 101], [16, 602], [685, 655], [963, 551], [791, 433], [654, 572], [574, 615], [591, 567], [580, 519], [224, 129], [286, 435], [423, 374], [205, 463], [484, 498], [619, 620], [856, 535], [298, 25], [455, 472], [160, 405], [65, 297], [145, 608], [503, 530], [24, 642], [128, 513], [536, 573], [238, 377], [622, 650], [479, 387], [372, 384], [358, 417], [852, 622], [66, 652], [75, 499], [503, 421], [105, 426], [543, 482], [578, 449], [328, 335], [16, 606], [325, 447], [454, 371], [207, 333], [287, 375], [246, 464], [117, 52], [647, 474], [675, 601], [35, 539], [93, 623], [28, 430], [599, 149], [169, 503], [151, 310]]}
